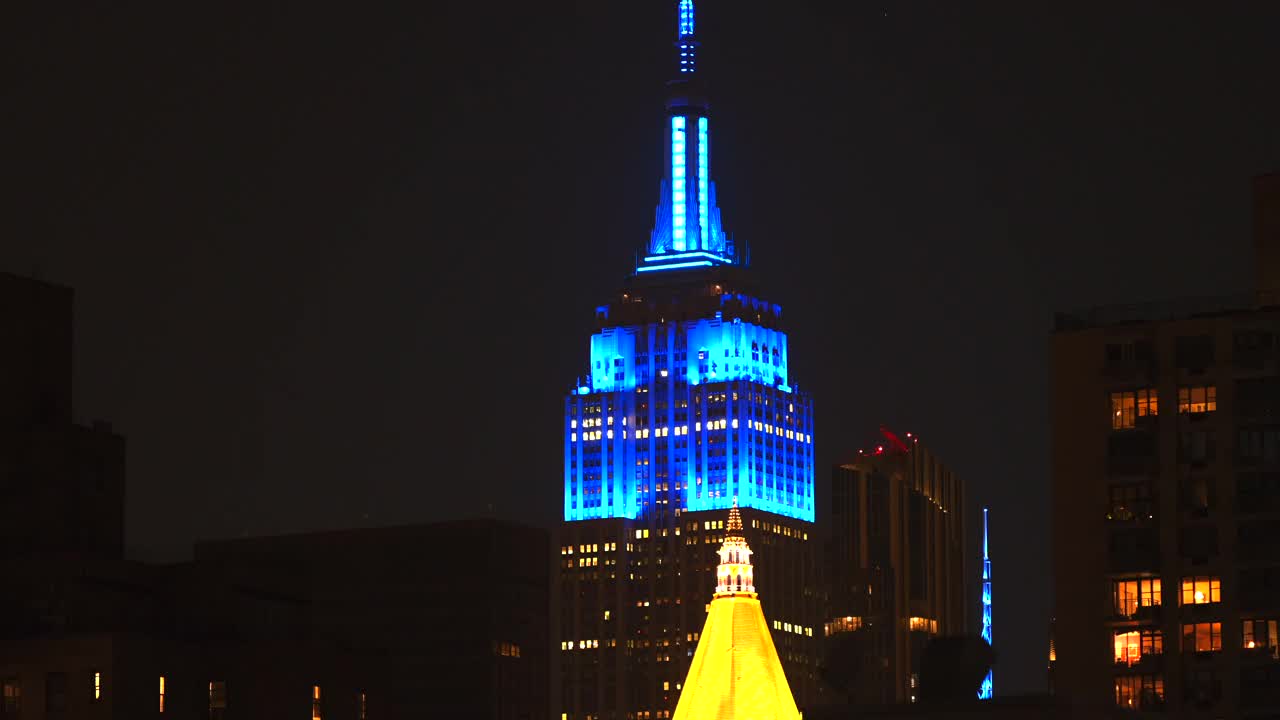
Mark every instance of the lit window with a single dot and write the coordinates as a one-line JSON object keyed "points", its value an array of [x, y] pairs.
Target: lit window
{"points": [[364, 706], [315, 703], [1201, 590], [1197, 399], [1135, 692], [11, 687], [217, 699], [97, 686], [1131, 594], [1261, 634], [161, 693], [921, 624], [1202, 637], [1129, 405], [1131, 646]]}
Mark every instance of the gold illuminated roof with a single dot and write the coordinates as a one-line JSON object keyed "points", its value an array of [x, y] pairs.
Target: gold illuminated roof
{"points": [[736, 672]]}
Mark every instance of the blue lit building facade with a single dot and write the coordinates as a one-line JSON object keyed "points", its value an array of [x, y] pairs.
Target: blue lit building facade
{"points": [[686, 402]]}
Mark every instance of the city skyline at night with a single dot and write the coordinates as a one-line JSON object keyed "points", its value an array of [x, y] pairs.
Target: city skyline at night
{"points": [[330, 260]]}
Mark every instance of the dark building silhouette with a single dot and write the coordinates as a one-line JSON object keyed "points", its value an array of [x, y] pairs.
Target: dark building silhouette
{"points": [[62, 482], [446, 619], [455, 613], [896, 562], [1166, 499]]}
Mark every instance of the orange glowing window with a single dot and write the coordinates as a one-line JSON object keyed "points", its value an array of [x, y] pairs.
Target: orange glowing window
{"points": [[1201, 590], [1129, 405], [1261, 635], [1135, 692], [1130, 647], [217, 698], [315, 703], [161, 693], [1198, 399], [1202, 637], [1128, 595]]}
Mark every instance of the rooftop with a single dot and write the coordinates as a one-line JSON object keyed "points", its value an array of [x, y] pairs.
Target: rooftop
{"points": [[1162, 311]]}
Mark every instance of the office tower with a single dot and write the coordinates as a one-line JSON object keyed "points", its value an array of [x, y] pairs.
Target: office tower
{"points": [[735, 671], [1166, 498], [896, 561], [687, 404]]}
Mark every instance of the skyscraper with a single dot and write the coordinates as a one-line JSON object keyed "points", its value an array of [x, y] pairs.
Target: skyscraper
{"points": [[897, 563], [687, 404]]}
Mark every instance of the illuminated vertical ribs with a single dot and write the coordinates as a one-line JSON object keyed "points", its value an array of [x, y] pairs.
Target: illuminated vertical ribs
{"points": [[679, 202], [704, 205]]}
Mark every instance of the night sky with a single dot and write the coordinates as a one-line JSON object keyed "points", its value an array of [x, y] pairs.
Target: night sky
{"points": [[336, 267]]}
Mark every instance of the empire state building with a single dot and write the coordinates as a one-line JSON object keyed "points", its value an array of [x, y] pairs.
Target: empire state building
{"points": [[686, 405]]}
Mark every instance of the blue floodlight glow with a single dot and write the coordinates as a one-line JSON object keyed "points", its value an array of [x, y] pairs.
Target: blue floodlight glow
{"points": [[704, 227], [686, 18], [684, 256], [986, 691], [674, 231], [675, 266], [674, 235], [686, 414], [651, 387], [685, 41]]}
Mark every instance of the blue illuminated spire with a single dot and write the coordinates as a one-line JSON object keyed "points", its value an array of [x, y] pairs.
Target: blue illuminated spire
{"points": [[689, 379], [985, 692], [685, 43], [686, 231]]}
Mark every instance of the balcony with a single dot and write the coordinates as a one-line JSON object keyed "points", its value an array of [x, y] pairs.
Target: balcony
{"points": [[1259, 655], [1146, 664]]}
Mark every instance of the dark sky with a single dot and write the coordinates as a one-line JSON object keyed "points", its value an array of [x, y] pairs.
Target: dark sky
{"points": [[336, 266]]}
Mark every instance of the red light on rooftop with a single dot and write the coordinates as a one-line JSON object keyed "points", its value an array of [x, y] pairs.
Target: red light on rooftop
{"points": [[894, 442]]}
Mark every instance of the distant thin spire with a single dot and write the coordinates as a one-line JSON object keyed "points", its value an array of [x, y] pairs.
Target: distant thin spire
{"points": [[986, 691]]}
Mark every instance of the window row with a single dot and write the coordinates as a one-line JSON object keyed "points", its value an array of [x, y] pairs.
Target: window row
{"points": [[57, 693], [1129, 405], [1130, 594]]}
